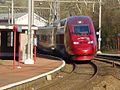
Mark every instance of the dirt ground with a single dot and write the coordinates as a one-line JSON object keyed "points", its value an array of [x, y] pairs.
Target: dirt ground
{"points": [[108, 83]]}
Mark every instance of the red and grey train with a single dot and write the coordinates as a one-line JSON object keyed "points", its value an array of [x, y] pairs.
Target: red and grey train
{"points": [[74, 38]]}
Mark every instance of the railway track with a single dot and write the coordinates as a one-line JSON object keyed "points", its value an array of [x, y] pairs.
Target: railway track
{"points": [[108, 77], [114, 60], [71, 76], [81, 77], [94, 75]]}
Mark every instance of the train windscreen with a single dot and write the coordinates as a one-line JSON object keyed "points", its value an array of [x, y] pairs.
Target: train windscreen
{"points": [[81, 29]]}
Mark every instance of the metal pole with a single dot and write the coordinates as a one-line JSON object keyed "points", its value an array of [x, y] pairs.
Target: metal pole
{"points": [[29, 27], [12, 21], [14, 57], [35, 44], [93, 7], [8, 15], [99, 39], [15, 29], [12, 12], [29, 59], [32, 12]]}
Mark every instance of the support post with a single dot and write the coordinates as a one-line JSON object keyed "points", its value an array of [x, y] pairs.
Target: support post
{"points": [[29, 59]]}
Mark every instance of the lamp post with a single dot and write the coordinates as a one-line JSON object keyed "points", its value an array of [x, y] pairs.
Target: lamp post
{"points": [[99, 38]]}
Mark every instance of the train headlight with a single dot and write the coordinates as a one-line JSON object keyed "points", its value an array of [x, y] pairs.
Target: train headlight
{"points": [[79, 22], [90, 42], [53, 48], [76, 43]]}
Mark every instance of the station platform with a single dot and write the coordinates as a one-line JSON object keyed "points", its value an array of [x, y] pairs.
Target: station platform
{"points": [[10, 77]]}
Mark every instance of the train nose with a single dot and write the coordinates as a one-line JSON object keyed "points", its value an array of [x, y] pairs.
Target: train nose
{"points": [[83, 50], [83, 57], [87, 51]]}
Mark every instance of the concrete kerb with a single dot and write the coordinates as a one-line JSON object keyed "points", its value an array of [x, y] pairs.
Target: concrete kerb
{"points": [[33, 78]]}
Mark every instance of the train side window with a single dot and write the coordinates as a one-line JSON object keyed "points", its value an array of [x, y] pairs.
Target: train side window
{"points": [[49, 38]]}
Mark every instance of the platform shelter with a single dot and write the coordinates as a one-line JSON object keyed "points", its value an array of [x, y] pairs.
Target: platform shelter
{"points": [[7, 40]]}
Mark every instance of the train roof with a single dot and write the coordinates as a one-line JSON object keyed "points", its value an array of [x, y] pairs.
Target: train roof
{"points": [[80, 17], [71, 18]]}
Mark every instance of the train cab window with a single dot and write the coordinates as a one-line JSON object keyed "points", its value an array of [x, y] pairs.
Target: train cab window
{"points": [[81, 29]]}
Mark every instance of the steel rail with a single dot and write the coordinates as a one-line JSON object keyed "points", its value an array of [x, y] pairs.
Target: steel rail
{"points": [[109, 58], [72, 73], [69, 74], [92, 77]]}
